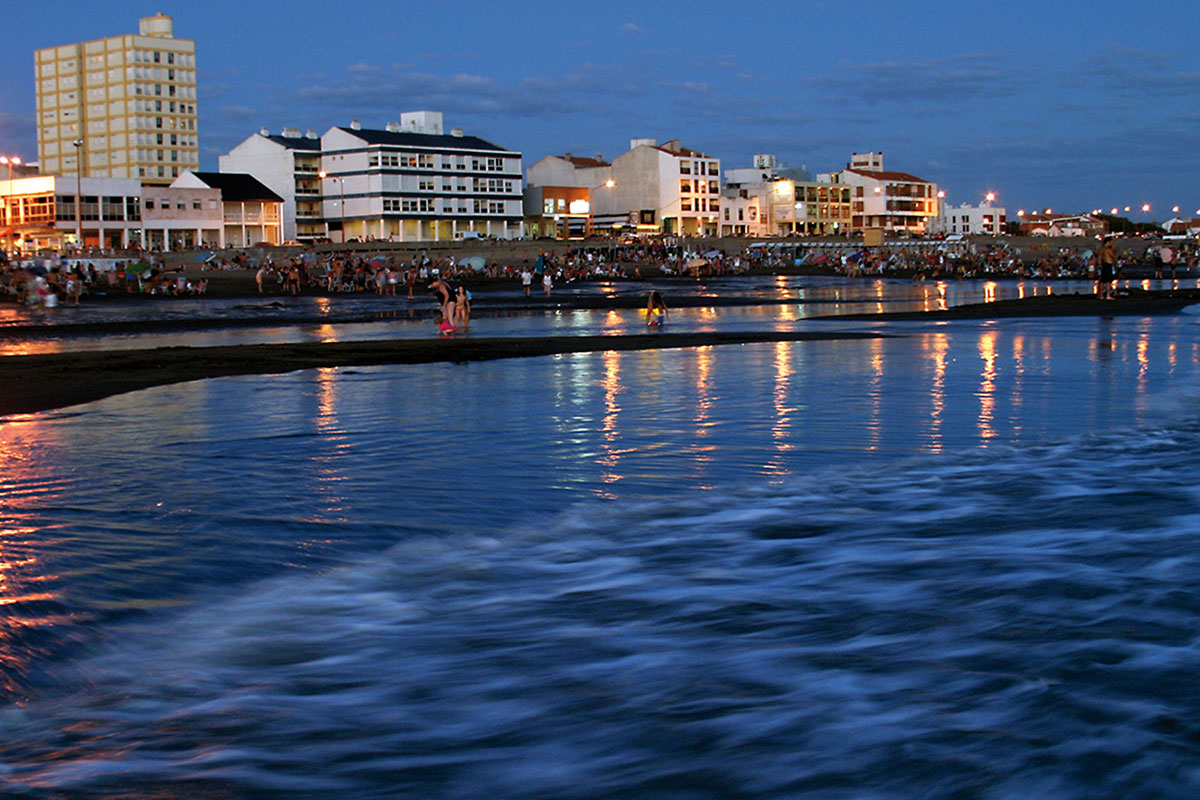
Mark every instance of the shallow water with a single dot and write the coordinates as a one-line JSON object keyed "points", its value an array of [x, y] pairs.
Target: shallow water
{"points": [[955, 563], [764, 303]]}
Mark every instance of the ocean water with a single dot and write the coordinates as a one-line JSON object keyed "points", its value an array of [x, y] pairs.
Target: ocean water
{"points": [[958, 561]]}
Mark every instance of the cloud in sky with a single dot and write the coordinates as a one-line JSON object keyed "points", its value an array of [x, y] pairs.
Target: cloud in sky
{"points": [[969, 77], [633, 27]]}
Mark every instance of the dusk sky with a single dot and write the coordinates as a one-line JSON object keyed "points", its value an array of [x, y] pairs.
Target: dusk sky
{"points": [[1068, 105]]}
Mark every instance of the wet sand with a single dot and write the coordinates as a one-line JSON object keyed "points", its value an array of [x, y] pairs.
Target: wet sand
{"points": [[42, 382]]}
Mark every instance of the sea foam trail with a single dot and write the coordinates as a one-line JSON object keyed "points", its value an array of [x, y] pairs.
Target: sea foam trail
{"points": [[1002, 624]]}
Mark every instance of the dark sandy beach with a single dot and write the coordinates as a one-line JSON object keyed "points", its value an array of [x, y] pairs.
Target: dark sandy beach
{"points": [[33, 383]]}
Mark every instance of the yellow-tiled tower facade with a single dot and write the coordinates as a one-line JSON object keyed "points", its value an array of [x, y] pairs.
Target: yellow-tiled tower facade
{"points": [[121, 107]]}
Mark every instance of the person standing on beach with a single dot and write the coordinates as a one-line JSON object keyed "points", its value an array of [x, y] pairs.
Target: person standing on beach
{"points": [[462, 309], [526, 278], [1108, 263], [547, 282]]}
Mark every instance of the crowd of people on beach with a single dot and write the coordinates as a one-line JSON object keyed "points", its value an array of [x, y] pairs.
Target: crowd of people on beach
{"points": [[63, 279], [37, 285]]}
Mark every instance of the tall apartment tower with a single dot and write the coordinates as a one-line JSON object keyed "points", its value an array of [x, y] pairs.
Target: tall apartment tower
{"points": [[121, 107]]}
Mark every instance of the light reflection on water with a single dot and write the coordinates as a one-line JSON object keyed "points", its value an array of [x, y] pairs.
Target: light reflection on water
{"points": [[398, 318], [190, 496]]}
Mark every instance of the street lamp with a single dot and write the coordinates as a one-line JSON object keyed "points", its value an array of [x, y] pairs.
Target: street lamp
{"points": [[8, 223], [342, 186], [78, 143]]}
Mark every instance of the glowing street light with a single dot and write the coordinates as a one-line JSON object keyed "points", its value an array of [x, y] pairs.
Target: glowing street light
{"points": [[1175, 209], [610, 183], [990, 197]]}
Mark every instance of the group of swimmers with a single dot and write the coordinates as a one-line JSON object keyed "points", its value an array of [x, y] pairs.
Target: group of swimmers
{"points": [[455, 311]]}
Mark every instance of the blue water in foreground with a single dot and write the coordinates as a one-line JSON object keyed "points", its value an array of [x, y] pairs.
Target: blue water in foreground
{"points": [[960, 562]]}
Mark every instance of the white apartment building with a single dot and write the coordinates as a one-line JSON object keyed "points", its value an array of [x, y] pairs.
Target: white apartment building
{"points": [[981, 220], [413, 182], [891, 201], [652, 188], [121, 107], [288, 164], [759, 201]]}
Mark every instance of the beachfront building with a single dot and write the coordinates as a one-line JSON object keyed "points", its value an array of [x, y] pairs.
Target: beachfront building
{"points": [[652, 188], [982, 220], [1180, 226], [121, 107], [560, 212], [413, 182], [288, 164], [789, 202], [1051, 224], [182, 217], [889, 201], [41, 212], [251, 214]]}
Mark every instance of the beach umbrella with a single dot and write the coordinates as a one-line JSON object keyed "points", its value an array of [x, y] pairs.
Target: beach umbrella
{"points": [[697, 262], [204, 257], [476, 263], [714, 254]]}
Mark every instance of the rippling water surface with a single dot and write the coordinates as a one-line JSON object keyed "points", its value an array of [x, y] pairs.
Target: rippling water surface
{"points": [[957, 562]]}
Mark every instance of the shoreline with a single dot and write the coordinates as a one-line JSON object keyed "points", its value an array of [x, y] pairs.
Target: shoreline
{"points": [[33, 383], [56, 380]]}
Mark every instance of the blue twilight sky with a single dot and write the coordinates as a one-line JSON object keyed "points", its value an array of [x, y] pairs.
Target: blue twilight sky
{"points": [[1068, 105]]}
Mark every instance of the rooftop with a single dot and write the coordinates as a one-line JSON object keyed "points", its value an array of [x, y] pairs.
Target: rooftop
{"points": [[410, 139], [237, 186]]}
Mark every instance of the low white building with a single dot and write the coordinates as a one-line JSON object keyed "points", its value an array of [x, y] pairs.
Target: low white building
{"points": [[287, 164], [652, 188], [413, 182], [982, 220], [182, 218], [251, 214]]}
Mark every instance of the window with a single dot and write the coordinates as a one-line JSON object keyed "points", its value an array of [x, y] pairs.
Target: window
{"points": [[391, 205], [548, 205], [685, 168], [373, 160], [712, 168], [149, 203], [685, 186], [741, 215], [685, 204], [425, 161], [727, 215], [196, 205], [713, 188], [408, 160], [425, 186]]}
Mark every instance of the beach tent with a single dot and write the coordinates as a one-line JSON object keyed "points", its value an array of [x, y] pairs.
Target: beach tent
{"points": [[474, 262]]}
